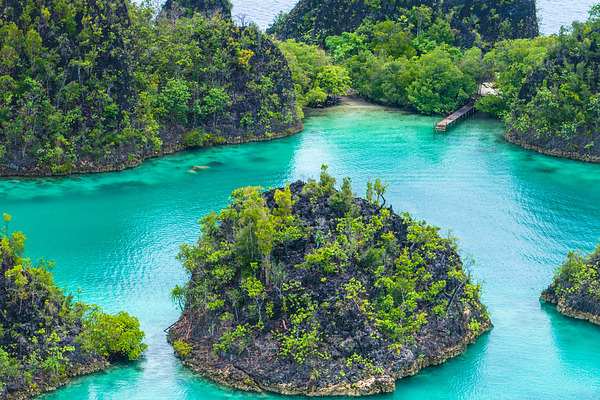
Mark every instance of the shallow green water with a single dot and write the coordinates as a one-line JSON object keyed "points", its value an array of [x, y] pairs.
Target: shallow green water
{"points": [[517, 213]]}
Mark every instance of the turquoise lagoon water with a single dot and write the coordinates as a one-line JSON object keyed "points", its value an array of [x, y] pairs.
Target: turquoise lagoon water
{"points": [[516, 213]]}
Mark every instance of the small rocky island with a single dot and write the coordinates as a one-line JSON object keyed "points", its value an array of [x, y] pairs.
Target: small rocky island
{"points": [[576, 287], [45, 336], [309, 290]]}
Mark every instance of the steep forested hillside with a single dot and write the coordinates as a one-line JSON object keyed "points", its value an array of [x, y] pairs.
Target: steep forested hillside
{"points": [[475, 22], [207, 8], [309, 290], [91, 86]]}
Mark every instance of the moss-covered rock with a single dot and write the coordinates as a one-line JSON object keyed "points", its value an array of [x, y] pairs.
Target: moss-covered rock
{"points": [[309, 290]]}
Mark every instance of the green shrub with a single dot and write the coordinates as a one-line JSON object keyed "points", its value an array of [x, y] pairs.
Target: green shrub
{"points": [[9, 367], [195, 138], [181, 348], [298, 346], [234, 341], [113, 336]]}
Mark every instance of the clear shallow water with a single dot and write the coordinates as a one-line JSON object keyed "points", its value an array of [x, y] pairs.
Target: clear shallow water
{"points": [[517, 213], [552, 13]]}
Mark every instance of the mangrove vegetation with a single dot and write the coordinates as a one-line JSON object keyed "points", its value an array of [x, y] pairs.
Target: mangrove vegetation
{"points": [[422, 55]]}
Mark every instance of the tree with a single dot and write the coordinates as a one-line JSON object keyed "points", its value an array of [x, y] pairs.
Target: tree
{"points": [[473, 68], [176, 97], [256, 292], [346, 45], [114, 336], [215, 101], [334, 80], [440, 85], [392, 39], [313, 74], [419, 16]]}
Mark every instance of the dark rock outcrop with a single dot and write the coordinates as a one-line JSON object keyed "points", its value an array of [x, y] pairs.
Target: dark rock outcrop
{"points": [[557, 111], [46, 337], [37, 327]]}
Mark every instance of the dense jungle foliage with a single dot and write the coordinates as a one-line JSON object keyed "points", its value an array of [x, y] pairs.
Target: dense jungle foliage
{"points": [[45, 336], [399, 63], [310, 284], [510, 62], [576, 284], [547, 88], [108, 83], [316, 79], [428, 57], [388, 68], [382, 64]]}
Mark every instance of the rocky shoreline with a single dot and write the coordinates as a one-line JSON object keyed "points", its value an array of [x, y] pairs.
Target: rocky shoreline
{"points": [[229, 375], [569, 311], [574, 289], [45, 387], [551, 152], [92, 168]]}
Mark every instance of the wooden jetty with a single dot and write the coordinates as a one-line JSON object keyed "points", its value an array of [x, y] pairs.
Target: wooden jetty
{"points": [[451, 120]]}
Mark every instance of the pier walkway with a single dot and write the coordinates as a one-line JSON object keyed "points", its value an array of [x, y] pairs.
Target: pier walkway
{"points": [[451, 120]]}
